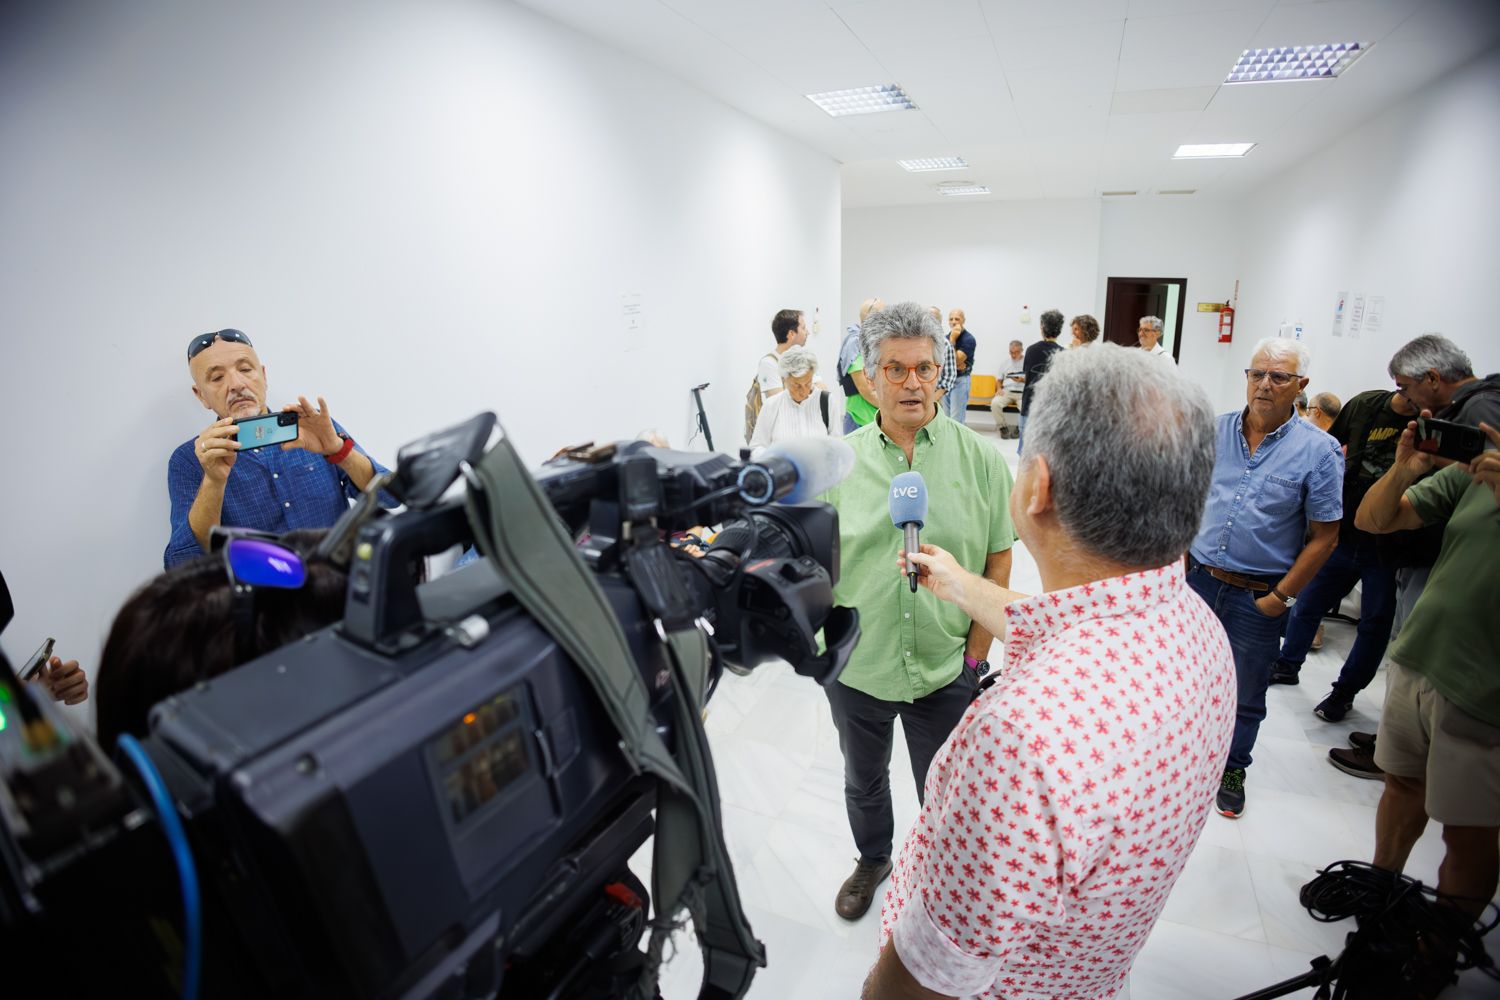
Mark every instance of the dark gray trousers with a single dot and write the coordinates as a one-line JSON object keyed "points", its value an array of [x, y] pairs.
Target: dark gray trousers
{"points": [[865, 733]]}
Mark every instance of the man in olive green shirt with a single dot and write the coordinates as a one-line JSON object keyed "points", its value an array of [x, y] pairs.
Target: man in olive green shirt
{"points": [[1439, 739], [919, 658]]}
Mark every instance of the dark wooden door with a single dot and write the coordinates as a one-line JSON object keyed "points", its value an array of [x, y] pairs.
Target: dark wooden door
{"points": [[1128, 302]]}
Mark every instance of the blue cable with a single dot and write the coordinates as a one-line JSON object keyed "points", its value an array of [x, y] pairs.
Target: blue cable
{"points": [[187, 873]]}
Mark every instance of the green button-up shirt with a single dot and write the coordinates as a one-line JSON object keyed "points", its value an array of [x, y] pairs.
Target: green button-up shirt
{"points": [[912, 644]]}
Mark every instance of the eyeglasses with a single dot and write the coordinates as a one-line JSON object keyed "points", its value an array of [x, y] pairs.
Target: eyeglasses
{"points": [[1277, 378], [896, 373], [200, 343]]}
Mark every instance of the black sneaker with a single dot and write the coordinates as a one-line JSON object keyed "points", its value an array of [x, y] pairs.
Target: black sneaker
{"points": [[1356, 762], [1363, 741], [1334, 707], [1231, 798], [1282, 673]]}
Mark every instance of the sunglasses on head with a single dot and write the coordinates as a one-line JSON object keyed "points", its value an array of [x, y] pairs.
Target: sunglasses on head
{"points": [[200, 343]]}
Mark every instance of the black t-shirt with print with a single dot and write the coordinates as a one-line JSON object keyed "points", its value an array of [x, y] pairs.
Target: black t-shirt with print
{"points": [[1370, 429]]}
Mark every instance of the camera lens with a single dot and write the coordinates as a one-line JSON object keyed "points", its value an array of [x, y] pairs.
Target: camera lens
{"points": [[285, 419]]}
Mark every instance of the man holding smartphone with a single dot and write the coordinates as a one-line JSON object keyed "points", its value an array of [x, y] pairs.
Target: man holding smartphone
{"points": [[1439, 741], [306, 482]]}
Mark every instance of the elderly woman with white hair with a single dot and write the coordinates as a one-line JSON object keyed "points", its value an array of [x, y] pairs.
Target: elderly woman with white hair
{"points": [[802, 410]]}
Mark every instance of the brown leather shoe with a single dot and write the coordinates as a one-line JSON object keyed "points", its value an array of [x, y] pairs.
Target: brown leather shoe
{"points": [[1359, 763], [858, 890]]}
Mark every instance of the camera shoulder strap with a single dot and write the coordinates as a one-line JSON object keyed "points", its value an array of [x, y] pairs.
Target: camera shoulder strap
{"points": [[517, 530]]}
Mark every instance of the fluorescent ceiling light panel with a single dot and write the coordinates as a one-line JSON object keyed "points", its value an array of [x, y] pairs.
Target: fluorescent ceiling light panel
{"points": [[962, 189], [863, 100], [1295, 62], [935, 163], [1211, 150], [1118, 194], [1178, 191]]}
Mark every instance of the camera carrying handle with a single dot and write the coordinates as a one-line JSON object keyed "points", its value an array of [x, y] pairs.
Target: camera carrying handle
{"points": [[517, 530]]}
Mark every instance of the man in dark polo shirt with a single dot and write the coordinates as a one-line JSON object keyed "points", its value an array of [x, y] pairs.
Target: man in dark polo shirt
{"points": [[1034, 365]]}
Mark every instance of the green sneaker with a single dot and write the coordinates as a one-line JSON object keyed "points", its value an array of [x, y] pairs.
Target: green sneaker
{"points": [[1231, 798]]}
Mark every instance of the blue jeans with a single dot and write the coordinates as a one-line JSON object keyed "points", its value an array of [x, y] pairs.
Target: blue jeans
{"points": [[956, 403], [1253, 638], [1021, 433], [849, 425], [1377, 609]]}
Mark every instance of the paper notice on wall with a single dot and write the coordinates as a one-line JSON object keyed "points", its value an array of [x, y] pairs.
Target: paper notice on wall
{"points": [[1356, 317], [1375, 313], [1338, 315], [630, 315]]}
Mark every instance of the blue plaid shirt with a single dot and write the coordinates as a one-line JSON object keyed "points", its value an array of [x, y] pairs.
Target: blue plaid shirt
{"points": [[1255, 520], [268, 489]]}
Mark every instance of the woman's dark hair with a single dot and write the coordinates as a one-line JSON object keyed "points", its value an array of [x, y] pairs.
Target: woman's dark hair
{"points": [[178, 630]]}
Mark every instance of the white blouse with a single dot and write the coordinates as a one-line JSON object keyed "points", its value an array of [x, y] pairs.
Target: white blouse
{"points": [[782, 418]]}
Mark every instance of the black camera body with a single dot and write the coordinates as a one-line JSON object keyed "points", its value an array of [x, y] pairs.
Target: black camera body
{"points": [[428, 798]]}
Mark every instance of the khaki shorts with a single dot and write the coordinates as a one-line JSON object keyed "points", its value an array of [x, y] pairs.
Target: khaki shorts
{"points": [[1425, 737]]}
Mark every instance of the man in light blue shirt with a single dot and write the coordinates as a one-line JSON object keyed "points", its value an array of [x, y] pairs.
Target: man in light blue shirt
{"points": [[1271, 521]]}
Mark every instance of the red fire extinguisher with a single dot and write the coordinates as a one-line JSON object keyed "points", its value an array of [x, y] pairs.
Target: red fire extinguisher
{"points": [[1226, 317]]}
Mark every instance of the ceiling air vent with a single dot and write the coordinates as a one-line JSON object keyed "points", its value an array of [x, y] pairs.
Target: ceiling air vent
{"points": [[1118, 194], [1179, 191]]}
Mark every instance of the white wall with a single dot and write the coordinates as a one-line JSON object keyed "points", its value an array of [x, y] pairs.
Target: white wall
{"points": [[1188, 239], [1404, 206], [987, 259], [418, 210]]}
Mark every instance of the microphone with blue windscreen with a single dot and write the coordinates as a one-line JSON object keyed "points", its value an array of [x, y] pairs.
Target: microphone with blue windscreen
{"points": [[909, 513]]}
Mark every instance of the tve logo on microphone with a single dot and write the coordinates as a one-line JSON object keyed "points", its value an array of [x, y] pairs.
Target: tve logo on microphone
{"points": [[909, 492]]}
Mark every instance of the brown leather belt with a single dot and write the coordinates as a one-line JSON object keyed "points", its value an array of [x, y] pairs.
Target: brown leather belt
{"points": [[1233, 579]]}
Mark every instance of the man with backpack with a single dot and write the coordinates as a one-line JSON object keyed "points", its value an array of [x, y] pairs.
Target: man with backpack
{"points": [[789, 327]]}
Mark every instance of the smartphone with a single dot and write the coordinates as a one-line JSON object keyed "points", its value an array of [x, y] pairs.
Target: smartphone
{"points": [[38, 660], [1446, 439], [263, 431]]}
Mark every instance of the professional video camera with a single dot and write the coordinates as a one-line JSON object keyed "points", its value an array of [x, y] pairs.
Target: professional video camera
{"points": [[438, 795]]}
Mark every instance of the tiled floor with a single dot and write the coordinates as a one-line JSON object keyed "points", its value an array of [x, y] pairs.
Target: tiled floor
{"points": [[1232, 925]]}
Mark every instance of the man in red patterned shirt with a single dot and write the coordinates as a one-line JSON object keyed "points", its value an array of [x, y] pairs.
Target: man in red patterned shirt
{"points": [[1065, 804]]}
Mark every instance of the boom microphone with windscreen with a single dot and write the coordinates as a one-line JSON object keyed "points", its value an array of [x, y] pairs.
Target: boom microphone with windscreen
{"points": [[797, 470], [909, 513]]}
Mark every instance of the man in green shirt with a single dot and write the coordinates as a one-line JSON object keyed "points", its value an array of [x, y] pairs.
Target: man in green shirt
{"points": [[919, 658], [859, 409], [1439, 739]]}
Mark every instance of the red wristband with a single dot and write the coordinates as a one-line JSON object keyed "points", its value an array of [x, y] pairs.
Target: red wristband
{"points": [[342, 453]]}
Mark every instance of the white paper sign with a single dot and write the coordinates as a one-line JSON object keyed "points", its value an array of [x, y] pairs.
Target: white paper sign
{"points": [[1356, 317], [630, 315], [1338, 315], [1375, 313]]}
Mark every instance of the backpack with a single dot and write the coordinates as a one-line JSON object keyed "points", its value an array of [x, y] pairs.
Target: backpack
{"points": [[823, 407], [754, 401]]}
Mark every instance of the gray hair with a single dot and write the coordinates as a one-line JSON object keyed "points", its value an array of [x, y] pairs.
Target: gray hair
{"points": [[1128, 481], [1151, 323], [1283, 349], [797, 361], [1431, 352], [1016, 343], [904, 321]]}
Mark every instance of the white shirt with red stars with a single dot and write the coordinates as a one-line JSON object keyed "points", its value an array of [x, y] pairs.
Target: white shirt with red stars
{"points": [[1065, 804]]}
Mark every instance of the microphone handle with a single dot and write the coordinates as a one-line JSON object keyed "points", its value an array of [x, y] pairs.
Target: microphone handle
{"points": [[909, 539]]}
